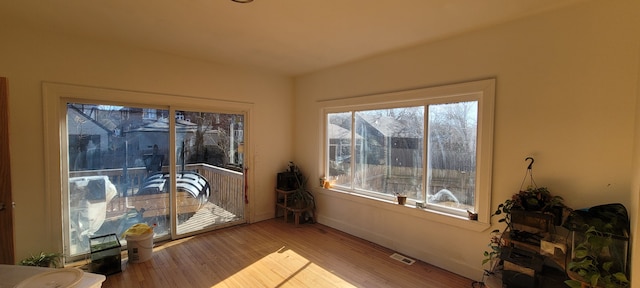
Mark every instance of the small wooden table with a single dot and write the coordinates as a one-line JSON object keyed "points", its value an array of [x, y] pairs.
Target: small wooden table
{"points": [[282, 202]]}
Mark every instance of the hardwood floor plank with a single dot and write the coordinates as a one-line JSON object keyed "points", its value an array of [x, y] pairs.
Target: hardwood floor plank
{"points": [[277, 254]]}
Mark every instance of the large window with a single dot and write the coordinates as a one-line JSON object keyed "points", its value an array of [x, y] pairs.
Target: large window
{"points": [[432, 145]]}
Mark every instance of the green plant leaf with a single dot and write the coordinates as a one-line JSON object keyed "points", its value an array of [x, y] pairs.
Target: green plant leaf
{"points": [[532, 201], [621, 277], [583, 246], [607, 265], [581, 253], [594, 279], [583, 264], [573, 283]]}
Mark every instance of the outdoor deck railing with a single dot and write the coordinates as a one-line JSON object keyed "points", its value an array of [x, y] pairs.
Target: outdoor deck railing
{"points": [[227, 188]]}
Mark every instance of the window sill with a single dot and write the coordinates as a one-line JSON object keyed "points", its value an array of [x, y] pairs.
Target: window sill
{"points": [[422, 213]]}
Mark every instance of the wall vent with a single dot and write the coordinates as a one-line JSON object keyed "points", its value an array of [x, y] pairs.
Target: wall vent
{"points": [[402, 258]]}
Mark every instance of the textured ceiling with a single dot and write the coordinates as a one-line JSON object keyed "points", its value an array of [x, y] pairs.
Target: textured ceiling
{"points": [[292, 37]]}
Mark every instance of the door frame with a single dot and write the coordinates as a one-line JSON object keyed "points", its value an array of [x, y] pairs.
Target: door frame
{"points": [[55, 97], [7, 253]]}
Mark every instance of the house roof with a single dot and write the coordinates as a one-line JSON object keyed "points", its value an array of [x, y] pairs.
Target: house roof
{"points": [[292, 37], [337, 132], [81, 124], [390, 127], [386, 126]]}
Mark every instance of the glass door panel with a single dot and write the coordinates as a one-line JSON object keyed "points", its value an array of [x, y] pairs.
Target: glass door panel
{"points": [[114, 157], [209, 176]]}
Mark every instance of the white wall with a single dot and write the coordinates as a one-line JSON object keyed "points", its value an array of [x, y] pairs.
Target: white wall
{"points": [[566, 94], [28, 58]]}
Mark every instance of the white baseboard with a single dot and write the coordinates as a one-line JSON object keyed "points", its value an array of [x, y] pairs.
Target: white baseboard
{"points": [[472, 271]]}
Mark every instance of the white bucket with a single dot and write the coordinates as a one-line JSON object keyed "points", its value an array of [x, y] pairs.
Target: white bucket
{"points": [[139, 247]]}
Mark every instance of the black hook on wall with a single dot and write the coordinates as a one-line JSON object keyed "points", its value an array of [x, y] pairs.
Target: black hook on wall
{"points": [[530, 163]]}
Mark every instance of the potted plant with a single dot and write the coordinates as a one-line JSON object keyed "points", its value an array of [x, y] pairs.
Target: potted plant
{"points": [[533, 203], [495, 245], [402, 198], [301, 197], [43, 260], [533, 199]]}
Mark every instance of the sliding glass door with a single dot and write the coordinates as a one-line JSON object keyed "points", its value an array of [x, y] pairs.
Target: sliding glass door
{"points": [[124, 168]]}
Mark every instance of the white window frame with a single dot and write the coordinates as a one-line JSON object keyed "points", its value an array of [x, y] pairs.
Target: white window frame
{"points": [[482, 91]]}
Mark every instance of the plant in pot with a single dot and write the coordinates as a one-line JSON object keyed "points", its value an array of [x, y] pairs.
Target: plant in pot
{"points": [[532, 204], [533, 199], [301, 197], [493, 254], [43, 260], [402, 198]]}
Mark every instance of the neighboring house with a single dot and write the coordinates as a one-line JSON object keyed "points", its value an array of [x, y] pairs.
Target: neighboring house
{"points": [[204, 143], [385, 133], [390, 149], [88, 139], [376, 133], [141, 140]]}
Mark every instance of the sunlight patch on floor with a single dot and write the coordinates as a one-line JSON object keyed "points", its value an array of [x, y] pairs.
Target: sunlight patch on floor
{"points": [[207, 216], [283, 268]]}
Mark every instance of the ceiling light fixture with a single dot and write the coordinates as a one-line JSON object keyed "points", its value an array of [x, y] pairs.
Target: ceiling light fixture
{"points": [[242, 1]]}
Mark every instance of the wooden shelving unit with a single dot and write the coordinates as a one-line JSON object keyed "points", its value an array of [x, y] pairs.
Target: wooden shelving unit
{"points": [[523, 253]]}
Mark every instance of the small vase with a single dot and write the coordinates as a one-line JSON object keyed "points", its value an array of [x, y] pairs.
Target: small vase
{"points": [[402, 199]]}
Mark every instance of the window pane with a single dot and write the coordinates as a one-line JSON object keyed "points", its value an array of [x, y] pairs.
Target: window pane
{"points": [[339, 152], [209, 179], [452, 154], [388, 151], [111, 151]]}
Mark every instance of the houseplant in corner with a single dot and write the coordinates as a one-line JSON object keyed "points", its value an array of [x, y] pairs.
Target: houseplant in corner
{"points": [[301, 197]]}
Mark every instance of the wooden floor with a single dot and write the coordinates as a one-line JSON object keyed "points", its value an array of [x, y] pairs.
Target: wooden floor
{"points": [[277, 254]]}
